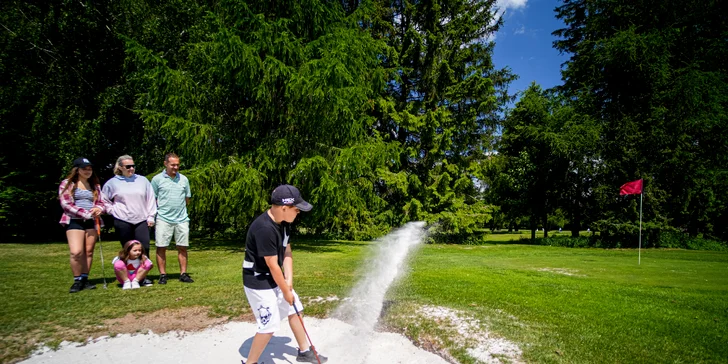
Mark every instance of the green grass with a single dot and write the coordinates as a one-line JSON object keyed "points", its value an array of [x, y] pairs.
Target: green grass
{"points": [[35, 278], [672, 308]]}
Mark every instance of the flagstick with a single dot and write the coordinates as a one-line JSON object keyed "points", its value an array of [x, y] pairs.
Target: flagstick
{"points": [[639, 248]]}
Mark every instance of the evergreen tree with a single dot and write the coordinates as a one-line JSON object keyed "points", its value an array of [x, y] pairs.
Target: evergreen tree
{"points": [[268, 94], [441, 109], [652, 74], [548, 157]]}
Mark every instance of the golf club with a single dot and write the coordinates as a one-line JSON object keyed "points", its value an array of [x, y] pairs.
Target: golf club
{"points": [[304, 330], [101, 247]]}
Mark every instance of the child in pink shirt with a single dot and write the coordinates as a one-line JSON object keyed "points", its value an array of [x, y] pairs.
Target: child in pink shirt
{"points": [[131, 266]]}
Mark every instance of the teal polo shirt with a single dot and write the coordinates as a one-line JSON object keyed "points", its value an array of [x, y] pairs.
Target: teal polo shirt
{"points": [[171, 194]]}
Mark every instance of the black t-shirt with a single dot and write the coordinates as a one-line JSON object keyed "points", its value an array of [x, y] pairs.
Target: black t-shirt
{"points": [[264, 238]]}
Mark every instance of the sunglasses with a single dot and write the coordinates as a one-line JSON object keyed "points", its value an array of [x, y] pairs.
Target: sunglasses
{"points": [[130, 166]]}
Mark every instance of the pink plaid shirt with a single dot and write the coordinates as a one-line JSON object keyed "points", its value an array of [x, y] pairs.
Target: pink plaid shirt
{"points": [[71, 211]]}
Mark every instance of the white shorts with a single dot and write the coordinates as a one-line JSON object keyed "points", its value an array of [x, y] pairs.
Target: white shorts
{"points": [[164, 231], [269, 307]]}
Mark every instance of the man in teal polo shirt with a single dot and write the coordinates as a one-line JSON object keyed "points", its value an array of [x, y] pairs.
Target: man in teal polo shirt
{"points": [[173, 194]]}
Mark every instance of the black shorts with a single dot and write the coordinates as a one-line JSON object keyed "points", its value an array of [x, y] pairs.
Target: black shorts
{"points": [[79, 224]]}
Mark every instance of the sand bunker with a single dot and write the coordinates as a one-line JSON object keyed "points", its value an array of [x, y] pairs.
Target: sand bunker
{"points": [[340, 341], [229, 343]]}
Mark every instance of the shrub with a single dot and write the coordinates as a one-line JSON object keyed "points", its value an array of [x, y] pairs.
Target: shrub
{"points": [[674, 239], [668, 239]]}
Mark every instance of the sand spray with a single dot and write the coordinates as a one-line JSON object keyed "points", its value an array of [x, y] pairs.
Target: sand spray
{"points": [[363, 306]]}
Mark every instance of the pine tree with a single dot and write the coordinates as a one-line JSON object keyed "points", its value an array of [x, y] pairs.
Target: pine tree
{"points": [[442, 108], [653, 75]]}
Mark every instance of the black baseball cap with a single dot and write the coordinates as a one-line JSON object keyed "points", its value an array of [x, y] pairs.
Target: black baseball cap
{"points": [[287, 195], [82, 162]]}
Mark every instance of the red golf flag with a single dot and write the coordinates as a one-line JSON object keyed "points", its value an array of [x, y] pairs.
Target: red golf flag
{"points": [[631, 188]]}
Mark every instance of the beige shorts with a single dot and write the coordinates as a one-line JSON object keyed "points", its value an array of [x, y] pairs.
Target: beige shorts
{"points": [[164, 232]]}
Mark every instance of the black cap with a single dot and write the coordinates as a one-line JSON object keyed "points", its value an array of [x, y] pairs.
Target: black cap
{"points": [[287, 195], [82, 162]]}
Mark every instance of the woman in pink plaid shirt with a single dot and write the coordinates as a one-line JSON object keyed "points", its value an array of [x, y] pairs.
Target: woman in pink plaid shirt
{"points": [[80, 195]]}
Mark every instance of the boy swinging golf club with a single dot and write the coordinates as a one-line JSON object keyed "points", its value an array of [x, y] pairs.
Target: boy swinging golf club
{"points": [[268, 274]]}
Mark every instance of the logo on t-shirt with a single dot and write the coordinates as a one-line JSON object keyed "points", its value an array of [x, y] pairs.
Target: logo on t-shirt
{"points": [[132, 265]]}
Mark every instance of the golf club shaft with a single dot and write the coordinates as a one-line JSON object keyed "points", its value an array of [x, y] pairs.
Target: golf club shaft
{"points": [[101, 248], [304, 330]]}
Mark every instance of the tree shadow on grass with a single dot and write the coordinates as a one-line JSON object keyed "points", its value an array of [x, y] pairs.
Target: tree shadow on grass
{"points": [[318, 246], [219, 244], [238, 245], [519, 241]]}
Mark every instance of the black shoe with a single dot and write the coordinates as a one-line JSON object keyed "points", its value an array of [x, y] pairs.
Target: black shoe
{"points": [[184, 277], [87, 285], [162, 279], [146, 282], [77, 286], [310, 357]]}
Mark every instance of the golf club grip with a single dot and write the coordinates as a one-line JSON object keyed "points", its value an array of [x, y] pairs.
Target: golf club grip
{"points": [[98, 226]]}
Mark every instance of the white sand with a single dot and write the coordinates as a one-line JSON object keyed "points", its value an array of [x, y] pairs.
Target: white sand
{"points": [[230, 343], [479, 343]]}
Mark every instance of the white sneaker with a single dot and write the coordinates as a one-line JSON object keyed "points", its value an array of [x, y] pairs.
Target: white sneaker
{"points": [[134, 284], [127, 285]]}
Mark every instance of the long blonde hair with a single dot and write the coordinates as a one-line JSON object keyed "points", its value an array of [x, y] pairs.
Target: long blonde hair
{"points": [[119, 166]]}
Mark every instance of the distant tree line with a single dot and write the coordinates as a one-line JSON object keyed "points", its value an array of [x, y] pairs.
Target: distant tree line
{"points": [[644, 96], [382, 112]]}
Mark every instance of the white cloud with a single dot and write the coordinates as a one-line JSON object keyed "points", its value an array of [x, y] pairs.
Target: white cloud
{"points": [[520, 30], [500, 8], [511, 4]]}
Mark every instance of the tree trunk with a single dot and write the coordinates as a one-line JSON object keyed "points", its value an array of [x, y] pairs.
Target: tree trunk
{"points": [[575, 219], [575, 225]]}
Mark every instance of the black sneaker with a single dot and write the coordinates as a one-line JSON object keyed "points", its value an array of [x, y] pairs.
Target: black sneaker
{"points": [[310, 357], [87, 285], [77, 286], [146, 282], [162, 279], [184, 277]]}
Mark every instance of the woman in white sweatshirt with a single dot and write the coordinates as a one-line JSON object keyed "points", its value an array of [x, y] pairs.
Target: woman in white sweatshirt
{"points": [[129, 197]]}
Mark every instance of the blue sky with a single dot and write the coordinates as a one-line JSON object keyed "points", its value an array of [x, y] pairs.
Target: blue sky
{"points": [[524, 43]]}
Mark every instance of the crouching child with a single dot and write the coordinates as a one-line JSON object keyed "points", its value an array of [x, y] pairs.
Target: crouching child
{"points": [[131, 266]]}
